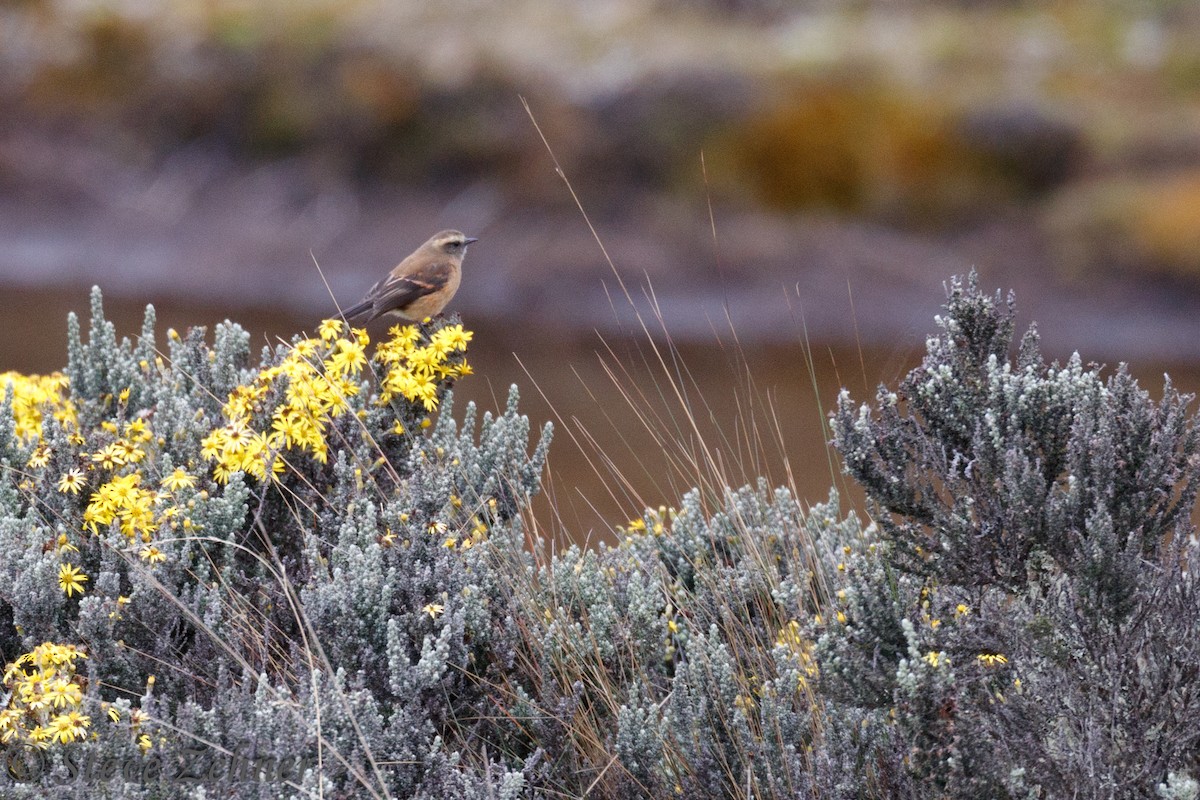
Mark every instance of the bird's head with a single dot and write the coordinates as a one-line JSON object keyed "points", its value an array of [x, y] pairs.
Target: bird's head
{"points": [[451, 243]]}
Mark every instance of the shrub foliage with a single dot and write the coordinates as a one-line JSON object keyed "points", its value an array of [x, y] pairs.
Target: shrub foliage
{"points": [[289, 580], [1027, 617]]}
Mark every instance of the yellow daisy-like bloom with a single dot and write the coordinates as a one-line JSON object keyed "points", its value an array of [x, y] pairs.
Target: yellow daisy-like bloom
{"points": [[66, 728], [350, 357], [152, 554], [179, 479], [404, 336], [434, 609], [61, 692], [40, 457], [452, 338], [330, 329], [131, 453], [110, 457], [71, 579], [71, 482], [136, 431]]}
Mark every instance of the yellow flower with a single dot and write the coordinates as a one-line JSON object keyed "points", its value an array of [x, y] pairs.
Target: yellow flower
{"points": [[129, 452], [71, 579], [152, 554], [991, 659], [330, 329], [350, 358], [71, 482], [404, 337], [178, 480], [40, 457], [136, 431], [61, 693], [434, 609], [962, 610], [936, 658], [34, 395], [453, 337], [110, 457]]}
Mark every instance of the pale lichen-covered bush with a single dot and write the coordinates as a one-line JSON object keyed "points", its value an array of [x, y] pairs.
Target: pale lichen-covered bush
{"points": [[1024, 619], [673, 663], [287, 580], [256, 581]]}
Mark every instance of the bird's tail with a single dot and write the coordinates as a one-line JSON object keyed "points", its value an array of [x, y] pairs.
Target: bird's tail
{"points": [[359, 312]]}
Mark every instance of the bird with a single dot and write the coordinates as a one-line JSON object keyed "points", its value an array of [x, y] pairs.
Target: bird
{"points": [[420, 286]]}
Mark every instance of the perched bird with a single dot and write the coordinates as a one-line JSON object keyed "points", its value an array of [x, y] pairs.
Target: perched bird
{"points": [[420, 285]]}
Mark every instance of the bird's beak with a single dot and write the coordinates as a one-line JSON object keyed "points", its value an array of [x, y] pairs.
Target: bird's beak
{"points": [[470, 240]]}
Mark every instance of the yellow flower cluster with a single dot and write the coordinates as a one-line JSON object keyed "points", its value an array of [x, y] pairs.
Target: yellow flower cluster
{"points": [[992, 659], [936, 658], [35, 395], [123, 500], [656, 526], [46, 695], [413, 372], [320, 374]]}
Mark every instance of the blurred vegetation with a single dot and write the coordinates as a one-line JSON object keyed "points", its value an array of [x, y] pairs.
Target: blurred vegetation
{"points": [[867, 147], [1077, 117], [1149, 224]]}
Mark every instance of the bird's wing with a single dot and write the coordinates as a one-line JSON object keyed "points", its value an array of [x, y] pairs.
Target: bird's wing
{"points": [[396, 292]]}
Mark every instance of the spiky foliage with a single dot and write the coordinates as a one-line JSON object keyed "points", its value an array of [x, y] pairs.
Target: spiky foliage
{"points": [[1025, 620], [276, 567]]}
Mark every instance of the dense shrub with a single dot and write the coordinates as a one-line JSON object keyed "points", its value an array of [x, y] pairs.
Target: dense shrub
{"points": [[281, 564], [1026, 618], [288, 581]]}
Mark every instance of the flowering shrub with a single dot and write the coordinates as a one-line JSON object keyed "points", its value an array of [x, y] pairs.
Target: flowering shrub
{"points": [[286, 567], [45, 691], [289, 580]]}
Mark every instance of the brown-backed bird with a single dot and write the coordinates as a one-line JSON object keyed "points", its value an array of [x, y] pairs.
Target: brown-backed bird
{"points": [[420, 285]]}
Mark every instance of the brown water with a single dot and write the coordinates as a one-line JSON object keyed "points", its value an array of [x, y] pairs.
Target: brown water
{"points": [[637, 423]]}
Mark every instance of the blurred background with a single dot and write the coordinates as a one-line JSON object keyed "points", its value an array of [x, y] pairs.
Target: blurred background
{"points": [[782, 188]]}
